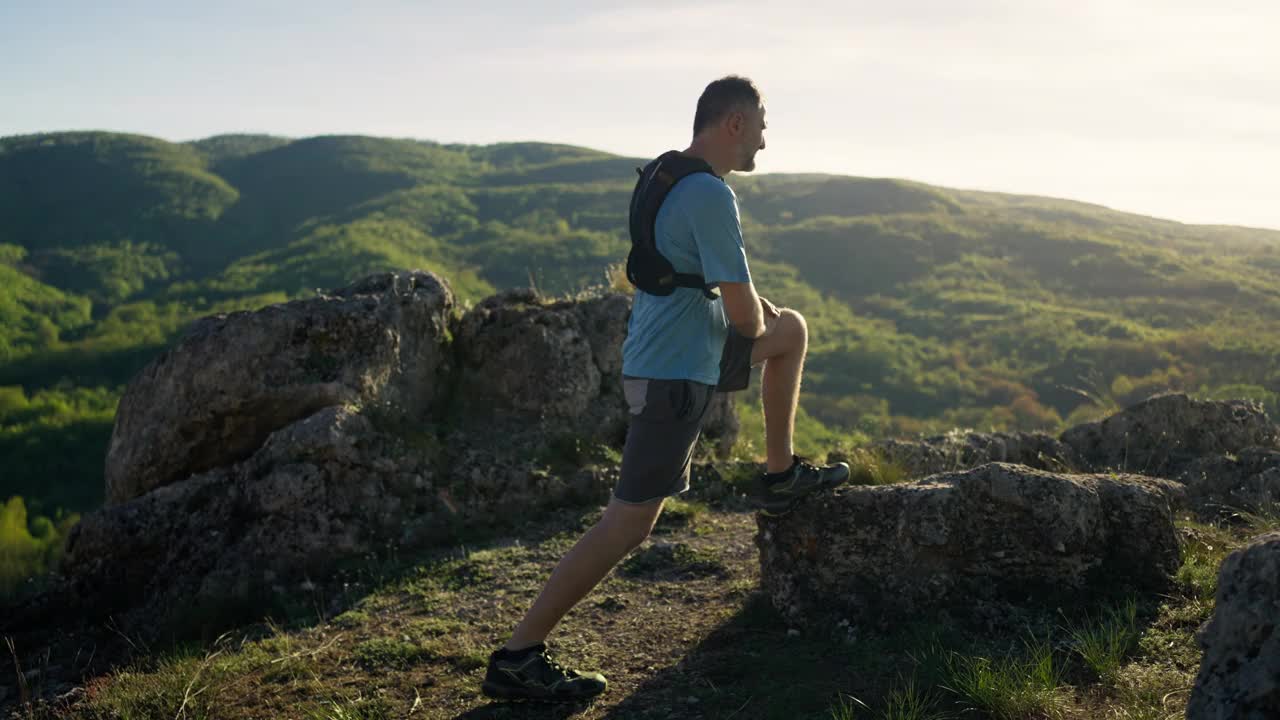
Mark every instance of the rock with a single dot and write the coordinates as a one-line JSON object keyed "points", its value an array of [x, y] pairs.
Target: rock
{"points": [[604, 321], [554, 366], [1240, 672], [1163, 434], [721, 424], [521, 359], [314, 496], [269, 450], [328, 490], [959, 451], [234, 379], [1224, 484], [70, 695], [999, 531]]}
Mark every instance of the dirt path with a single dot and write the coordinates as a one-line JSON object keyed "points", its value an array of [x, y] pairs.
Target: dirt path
{"points": [[640, 623]]}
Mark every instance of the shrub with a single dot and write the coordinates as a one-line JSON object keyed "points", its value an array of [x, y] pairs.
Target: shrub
{"points": [[29, 547]]}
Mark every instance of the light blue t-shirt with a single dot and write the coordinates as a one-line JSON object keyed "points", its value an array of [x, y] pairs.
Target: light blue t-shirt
{"points": [[680, 336]]}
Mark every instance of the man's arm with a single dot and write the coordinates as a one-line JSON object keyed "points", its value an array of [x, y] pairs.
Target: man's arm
{"points": [[718, 233], [743, 306]]}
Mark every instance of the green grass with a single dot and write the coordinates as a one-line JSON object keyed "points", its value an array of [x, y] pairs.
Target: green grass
{"points": [[1012, 688], [1151, 691], [679, 514], [1203, 549], [1105, 643], [672, 559], [350, 619], [909, 700], [740, 476], [868, 467], [184, 684], [565, 452], [357, 708], [437, 626], [390, 653]]}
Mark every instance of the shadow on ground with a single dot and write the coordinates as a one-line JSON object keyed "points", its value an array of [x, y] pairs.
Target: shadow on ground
{"points": [[753, 667], [748, 667]]}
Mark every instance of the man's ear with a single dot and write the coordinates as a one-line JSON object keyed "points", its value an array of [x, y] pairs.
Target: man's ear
{"points": [[735, 121]]}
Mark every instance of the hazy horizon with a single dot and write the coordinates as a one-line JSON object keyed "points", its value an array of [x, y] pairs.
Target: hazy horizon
{"points": [[1163, 109]]}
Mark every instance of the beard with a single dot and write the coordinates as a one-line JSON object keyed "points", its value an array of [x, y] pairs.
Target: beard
{"points": [[748, 161]]}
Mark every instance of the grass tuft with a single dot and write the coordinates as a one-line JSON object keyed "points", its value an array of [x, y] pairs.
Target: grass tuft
{"points": [[356, 708], [846, 708], [1263, 519], [867, 467], [1105, 644], [1008, 689], [1203, 549], [911, 701]]}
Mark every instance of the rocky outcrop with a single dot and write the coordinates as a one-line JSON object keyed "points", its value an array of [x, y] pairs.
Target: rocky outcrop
{"points": [[1224, 484], [960, 451], [319, 492], [270, 449], [1227, 453], [213, 399], [1163, 434], [1000, 531], [1239, 674]]}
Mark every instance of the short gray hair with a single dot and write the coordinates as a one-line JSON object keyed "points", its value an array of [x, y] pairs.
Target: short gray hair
{"points": [[722, 97]]}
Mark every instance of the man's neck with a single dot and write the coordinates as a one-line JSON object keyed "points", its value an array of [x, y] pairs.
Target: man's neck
{"points": [[719, 161]]}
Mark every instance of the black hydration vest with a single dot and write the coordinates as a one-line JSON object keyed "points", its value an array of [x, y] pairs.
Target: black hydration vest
{"points": [[647, 269]]}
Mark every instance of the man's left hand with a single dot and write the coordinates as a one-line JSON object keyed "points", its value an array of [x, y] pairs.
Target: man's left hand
{"points": [[770, 312]]}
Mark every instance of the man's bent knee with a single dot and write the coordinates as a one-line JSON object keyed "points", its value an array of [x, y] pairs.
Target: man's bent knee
{"points": [[790, 334], [795, 322]]}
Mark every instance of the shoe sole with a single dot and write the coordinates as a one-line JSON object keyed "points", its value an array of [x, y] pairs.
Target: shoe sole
{"points": [[498, 692]]}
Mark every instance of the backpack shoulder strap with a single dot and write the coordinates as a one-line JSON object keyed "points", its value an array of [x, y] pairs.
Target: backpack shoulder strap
{"points": [[656, 180]]}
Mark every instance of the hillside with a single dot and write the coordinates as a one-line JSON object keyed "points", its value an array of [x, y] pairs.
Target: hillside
{"points": [[930, 308], [335, 507]]}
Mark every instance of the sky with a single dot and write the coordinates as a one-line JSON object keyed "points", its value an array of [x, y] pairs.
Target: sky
{"points": [[1167, 108]]}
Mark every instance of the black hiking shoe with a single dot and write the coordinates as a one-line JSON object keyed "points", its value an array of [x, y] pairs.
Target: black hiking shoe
{"points": [[531, 674], [777, 494]]}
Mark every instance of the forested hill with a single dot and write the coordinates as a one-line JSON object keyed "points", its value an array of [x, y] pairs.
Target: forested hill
{"points": [[929, 308]]}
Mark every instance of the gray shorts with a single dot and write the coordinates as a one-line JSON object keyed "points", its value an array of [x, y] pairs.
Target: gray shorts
{"points": [[666, 419]]}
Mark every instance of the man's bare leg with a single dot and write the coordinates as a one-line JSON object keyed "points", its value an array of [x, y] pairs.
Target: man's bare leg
{"points": [[620, 531], [782, 349]]}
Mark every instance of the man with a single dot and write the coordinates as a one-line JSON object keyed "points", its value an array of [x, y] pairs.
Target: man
{"points": [[680, 349]]}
